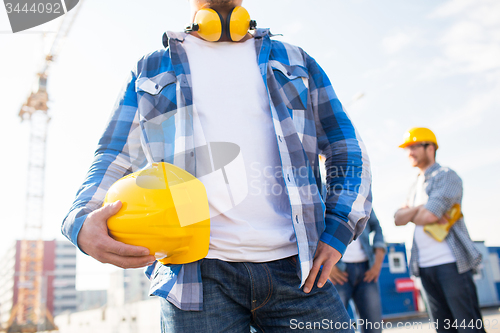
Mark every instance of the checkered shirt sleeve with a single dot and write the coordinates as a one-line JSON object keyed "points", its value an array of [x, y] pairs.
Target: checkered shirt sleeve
{"points": [[444, 191]]}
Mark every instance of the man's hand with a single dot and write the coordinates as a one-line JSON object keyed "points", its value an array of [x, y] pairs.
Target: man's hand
{"points": [[444, 220], [372, 274], [326, 256], [337, 276], [405, 215], [94, 240]]}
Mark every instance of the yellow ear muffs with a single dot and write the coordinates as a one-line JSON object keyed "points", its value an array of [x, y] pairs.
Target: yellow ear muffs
{"points": [[238, 23], [208, 24]]}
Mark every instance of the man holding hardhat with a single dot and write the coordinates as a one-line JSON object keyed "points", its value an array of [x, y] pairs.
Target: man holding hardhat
{"points": [[247, 116], [444, 265]]}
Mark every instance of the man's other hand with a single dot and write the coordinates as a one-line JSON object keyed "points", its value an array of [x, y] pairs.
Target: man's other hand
{"points": [[327, 257], [94, 240], [444, 220], [372, 274], [337, 276]]}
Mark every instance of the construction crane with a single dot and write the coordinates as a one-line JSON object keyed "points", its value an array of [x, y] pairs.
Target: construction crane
{"points": [[29, 314]]}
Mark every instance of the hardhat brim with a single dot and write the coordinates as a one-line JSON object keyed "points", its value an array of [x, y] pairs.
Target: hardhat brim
{"points": [[406, 144]]}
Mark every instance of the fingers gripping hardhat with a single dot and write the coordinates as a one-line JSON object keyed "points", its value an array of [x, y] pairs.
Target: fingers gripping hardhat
{"points": [[419, 134], [164, 209]]}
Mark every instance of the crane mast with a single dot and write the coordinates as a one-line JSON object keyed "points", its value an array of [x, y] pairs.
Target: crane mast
{"points": [[29, 313]]}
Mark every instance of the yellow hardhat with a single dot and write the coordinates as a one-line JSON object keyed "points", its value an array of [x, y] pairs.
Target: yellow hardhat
{"points": [[419, 134], [165, 209]]}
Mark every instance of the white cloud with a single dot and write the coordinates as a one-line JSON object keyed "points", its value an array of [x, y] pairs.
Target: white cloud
{"points": [[471, 114], [477, 159], [452, 7], [396, 42], [375, 73], [487, 12], [464, 31], [472, 43]]}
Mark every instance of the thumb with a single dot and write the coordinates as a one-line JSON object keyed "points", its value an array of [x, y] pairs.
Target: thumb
{"points": [[110, 209]]}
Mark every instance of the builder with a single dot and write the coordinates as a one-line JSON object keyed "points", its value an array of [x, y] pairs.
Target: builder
{"points": [[270, 255], [445, 267]]}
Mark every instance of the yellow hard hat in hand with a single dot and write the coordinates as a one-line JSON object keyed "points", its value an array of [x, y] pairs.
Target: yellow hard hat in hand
{"points": [[418, 134], [165, 209]]}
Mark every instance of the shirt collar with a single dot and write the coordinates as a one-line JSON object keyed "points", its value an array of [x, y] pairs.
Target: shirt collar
{"points": [[431, 169], [261, 32], [176, 35], [180, 36]]}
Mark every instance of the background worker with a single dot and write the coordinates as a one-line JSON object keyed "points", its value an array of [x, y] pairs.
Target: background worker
{"points": [[277, 106], [445, 268], [356, 275]]}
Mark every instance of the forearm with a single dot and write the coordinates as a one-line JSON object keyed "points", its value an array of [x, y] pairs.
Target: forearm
{"points": [[405, 215], [328, 236], [348, 175], [379, 257], [424, 217], [90, 196], [373, 273], [348, 198], [378, 237]]}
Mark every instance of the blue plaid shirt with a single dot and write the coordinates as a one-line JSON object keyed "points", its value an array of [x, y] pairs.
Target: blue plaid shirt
{"points": [[152, 122]]}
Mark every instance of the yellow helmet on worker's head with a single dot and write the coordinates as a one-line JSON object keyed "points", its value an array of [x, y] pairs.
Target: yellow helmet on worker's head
{"points": [[165, 209], [419, 134]]}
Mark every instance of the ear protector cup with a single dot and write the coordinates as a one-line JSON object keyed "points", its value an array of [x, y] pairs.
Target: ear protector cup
{"points": [[209, 23], [237, 24], [211, 26]]}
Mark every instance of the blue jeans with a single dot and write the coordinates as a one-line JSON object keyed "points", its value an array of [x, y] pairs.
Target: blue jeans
{"points": [[451, 296], [264, 295], [366, 296]]}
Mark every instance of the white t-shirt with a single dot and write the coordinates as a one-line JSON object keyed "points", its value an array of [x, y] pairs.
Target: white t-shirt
{"points": [[249, 207], [430, 251], [354, 253]]}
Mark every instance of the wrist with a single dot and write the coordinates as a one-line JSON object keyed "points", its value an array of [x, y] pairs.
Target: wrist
{"points": [[414, 211]]}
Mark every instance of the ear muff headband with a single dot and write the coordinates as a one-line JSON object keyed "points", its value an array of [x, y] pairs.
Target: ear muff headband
{"points": [[210, 25]]}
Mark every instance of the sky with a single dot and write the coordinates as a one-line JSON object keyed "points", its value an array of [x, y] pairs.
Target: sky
{"points": [[418, 63]]}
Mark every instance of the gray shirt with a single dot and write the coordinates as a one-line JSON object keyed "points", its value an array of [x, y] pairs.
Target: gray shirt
{"points": [[444, 188]]}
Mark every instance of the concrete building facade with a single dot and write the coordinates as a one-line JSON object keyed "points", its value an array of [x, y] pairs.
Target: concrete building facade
{"points": [[64, 278], [58, 283], [91, 299]]}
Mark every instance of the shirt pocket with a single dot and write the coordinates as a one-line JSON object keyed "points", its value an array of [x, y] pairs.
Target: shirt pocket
{"points": [[293, 84], [156, 95]]}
